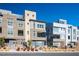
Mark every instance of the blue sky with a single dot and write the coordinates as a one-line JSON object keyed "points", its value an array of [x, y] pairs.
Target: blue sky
{"points": [[47, 12]]}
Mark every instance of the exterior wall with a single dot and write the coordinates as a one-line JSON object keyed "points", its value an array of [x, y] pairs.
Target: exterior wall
{"points": [[36, 29], [9, 22], [62, 31], [28, 15], [68, 35], [31, 29], [17, 23], [20, 27], [5, 19]]}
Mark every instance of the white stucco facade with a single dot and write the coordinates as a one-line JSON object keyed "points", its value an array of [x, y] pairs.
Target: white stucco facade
{"points": [[67, 33]]}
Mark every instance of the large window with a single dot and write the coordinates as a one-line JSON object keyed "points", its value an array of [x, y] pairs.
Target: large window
{"points": [[68, 37], [10, 31], [40, 26], [56, 36], [10, 21], [43, 34], [0, 29], [10, 26], [69, 31], [20, 33], [1, 14], [74, 31], [38, 43], [62, 22], [56, 29]]}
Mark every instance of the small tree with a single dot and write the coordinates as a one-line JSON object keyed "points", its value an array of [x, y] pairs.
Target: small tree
{"points": [[2, 41], [30, 43]]}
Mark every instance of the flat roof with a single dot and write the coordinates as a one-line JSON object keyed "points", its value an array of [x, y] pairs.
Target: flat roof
{"points": [[37, 21]]}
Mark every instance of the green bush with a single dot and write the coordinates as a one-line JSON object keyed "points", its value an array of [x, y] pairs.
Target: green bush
{"points": [[2, 41], [29, 43]]}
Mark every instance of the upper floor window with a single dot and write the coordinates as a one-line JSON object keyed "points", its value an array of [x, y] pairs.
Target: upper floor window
{"points": [[74, 31], [27, 23], [56, 36], [68, 37], [27, 14], [20, 33], [43, 34], [20, 24], [40, 26], [0, 20], [56, 29], [77, 32], [10, 22], [62, 22], [69, 31], [32, 15], [37, 25], [1, 14], [10, 31]]}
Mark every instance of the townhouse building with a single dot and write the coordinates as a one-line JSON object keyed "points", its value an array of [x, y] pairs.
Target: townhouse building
{"points": [[17, 29], [35, 30], [64, 34]]}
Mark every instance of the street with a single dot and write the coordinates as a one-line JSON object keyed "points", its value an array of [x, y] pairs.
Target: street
{"points": [[39, 54]]}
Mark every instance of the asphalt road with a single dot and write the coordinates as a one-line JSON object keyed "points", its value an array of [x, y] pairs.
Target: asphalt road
{"points": [[39, 54]]}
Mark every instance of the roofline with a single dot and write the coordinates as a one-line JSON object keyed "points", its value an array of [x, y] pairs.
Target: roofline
{"points": [[37, 21]]}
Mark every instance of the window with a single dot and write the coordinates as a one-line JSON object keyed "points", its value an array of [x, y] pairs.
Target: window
{"points": [[69, 31], [68, 37], [40, 26], [56, 36], [43, 34], [56, 29], [38, 43], [1, 14], [34, 33], [0, 29], [10, 31], [20, 24], [0, 20], [20, 33], [62, 22], [32, 15], [10, 22], [27, 14], [77, 32], [34, 24], [27, 23], [77, 38], [74, 33]]}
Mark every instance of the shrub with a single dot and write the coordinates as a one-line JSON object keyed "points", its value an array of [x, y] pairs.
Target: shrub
{"points": [[2, 41]]}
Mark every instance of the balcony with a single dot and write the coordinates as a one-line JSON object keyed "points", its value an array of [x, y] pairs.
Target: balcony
{"points": [[39, 38], [58, 40]]}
